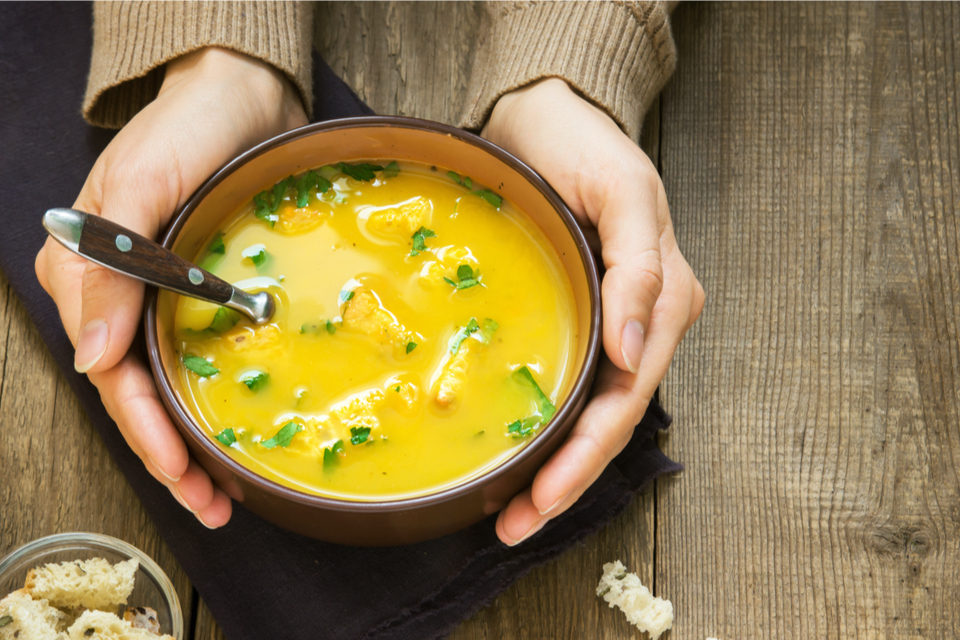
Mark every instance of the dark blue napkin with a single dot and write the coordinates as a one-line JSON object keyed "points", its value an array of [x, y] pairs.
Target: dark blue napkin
{"points": [[258, 580]]}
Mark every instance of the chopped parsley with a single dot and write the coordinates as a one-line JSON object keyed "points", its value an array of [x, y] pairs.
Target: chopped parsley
{"points": [[467, 277], [216, 245], [255, 380], [346, 296], [330, 454], [199, 366], [267, 202], [411, 346], [472, 327], [226, 437], [331, 327], [309, 180], [391, 170], [546, 407], [453, 175], [523, 428], [223, 320], [283, 437], [359, 435], [363, 172], [489, 196], [419, 238], [257, 254], [396, 388], [487, 328]]}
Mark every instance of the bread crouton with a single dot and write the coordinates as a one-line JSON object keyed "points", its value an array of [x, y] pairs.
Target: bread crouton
{"points": [[100, 625], [93, 584], [643, 610], [24, 618]]}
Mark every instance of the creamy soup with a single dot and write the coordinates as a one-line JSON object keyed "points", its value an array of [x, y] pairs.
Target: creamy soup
{"points": [[425, 331]]}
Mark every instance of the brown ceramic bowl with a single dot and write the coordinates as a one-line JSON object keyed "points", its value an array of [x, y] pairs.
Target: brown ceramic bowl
{"points": [[386, 522]]}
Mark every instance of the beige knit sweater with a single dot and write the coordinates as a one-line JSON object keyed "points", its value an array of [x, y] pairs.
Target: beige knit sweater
{"points": [[616, 54]]}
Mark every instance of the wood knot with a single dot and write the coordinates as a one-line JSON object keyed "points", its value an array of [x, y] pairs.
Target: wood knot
{"points": [[912, 540]]}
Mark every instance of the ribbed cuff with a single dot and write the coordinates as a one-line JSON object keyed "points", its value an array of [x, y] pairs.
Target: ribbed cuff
{"points": [[133, 40], [617, 55]]}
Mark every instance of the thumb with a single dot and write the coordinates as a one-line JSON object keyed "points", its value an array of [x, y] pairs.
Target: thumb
{"points": [[110, 313], [629, 229], [111, 302]]}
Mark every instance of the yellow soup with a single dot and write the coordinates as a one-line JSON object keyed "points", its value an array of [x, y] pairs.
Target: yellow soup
{"points": [[424, 332]]}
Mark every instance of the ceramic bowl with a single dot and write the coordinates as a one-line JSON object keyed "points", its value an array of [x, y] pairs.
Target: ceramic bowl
{"points": [[152, 588], [350, 139]]}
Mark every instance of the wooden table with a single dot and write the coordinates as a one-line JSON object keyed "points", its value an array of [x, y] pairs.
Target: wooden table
{"points": [[811, 154]]}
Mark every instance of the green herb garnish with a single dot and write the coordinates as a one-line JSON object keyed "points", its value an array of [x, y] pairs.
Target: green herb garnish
{"points": [[346, 296], [523, 428], [411, 346], [257, 254], [255, 380], [216, 245], [226, 437], [359, 435], [199, 366], [489, 196], [331, 327], [223, 320], [419, 237], [309, 180], [453, 175], [363, 171], [266, 203], [283, 437], [467, 277], [391, 170], [330, 454], [462, 335], [547, 409], [487, 328], [396, 388]]}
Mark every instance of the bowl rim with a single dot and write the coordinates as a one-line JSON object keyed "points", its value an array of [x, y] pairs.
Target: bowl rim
{"points": [[148, 564], [581, 384]]}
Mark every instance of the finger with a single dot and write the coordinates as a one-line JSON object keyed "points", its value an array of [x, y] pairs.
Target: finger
{"points": [[629, 225], [519, 520], [130, 397], [60, 272]]}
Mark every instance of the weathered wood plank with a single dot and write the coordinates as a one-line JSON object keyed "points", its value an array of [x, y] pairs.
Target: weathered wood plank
{"points": [[55, 473], [811, 154]]}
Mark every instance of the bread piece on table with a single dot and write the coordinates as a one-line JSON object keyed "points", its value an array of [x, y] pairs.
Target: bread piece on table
{"points": [[93, 584], [624, 590], [100, 625], [24, 618]]}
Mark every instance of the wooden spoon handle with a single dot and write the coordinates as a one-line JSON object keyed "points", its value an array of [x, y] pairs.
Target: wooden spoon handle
{"points": [[116, 247]]}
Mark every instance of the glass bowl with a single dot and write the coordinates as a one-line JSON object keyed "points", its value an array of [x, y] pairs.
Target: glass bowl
{"points": [[152, 587]]}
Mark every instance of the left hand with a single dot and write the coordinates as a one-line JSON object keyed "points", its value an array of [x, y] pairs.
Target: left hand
{"points": [[649, 294]]}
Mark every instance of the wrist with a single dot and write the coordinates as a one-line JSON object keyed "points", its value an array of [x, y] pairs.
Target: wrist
{"points": [[271, 91]]}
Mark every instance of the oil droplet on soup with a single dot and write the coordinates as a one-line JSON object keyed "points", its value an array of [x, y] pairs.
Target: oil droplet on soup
{"points": [[425, 332]]}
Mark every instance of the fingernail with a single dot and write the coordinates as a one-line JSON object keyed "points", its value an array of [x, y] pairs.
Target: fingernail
{"points": [[91, 345], [532, 531], [197, 514], [160, 469], [631, 345], [556, 504]]}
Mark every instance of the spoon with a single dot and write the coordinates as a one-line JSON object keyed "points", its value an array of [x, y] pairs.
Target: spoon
{"points": [[115, 247]]}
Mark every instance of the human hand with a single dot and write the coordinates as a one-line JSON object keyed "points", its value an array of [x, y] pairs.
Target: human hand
{"points": [[649, 295], [213, 105]]}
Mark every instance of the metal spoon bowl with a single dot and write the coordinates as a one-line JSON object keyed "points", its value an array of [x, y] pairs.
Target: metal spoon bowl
{"points": [[116, 247]]}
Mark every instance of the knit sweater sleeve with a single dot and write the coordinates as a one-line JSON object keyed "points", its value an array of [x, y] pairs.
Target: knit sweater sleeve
{"points": [[618, 55], [132, 41]]}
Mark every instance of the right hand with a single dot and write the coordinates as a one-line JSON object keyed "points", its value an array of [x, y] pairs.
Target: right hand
{"points": [[213, 105]]}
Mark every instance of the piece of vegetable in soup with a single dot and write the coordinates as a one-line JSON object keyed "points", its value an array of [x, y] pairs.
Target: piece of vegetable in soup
{"points": [[424, 332]]}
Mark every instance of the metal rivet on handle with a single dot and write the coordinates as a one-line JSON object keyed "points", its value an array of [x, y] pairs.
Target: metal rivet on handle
{"points": [[124, 243], [195, 275]]}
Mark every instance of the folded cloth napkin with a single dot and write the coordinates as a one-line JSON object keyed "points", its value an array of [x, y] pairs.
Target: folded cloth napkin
{"points": [[258, 580]]}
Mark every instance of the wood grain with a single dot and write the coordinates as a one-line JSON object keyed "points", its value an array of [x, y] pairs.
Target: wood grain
{"points": [[55, 473], [811, 155]]}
